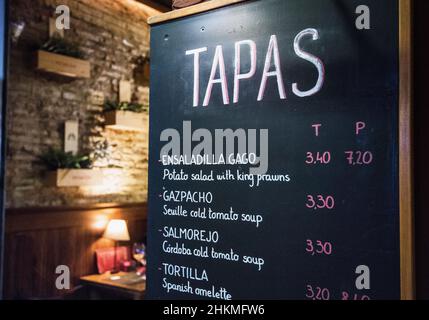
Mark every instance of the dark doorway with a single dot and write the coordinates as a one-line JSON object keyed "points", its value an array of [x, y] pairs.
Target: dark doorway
{"points": [[3, 45]]}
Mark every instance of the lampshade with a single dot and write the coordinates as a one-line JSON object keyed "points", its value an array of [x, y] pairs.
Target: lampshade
{"points": [[117, 230]]}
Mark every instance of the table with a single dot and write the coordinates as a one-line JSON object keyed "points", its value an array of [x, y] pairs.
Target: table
{"points": [[122, 285]]}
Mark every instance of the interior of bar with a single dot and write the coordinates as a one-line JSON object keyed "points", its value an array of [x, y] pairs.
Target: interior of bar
{"points": [[213, 150]]}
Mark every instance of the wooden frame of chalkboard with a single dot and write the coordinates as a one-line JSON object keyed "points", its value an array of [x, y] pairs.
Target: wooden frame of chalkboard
{"points": [[406, 151], [406, 192], [198, 8]]}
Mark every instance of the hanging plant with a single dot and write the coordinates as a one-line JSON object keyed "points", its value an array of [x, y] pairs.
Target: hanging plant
{"points": [[55, 159], [125, 106], [60, 46]]}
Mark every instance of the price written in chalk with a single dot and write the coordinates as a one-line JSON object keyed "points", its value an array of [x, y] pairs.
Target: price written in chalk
{"points": [[359, 158], [318, 247], [318, 293], [314, 158], [320, 202]]}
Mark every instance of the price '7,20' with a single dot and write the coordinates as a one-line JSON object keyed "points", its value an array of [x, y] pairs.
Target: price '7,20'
{"points": [[359, 157]]}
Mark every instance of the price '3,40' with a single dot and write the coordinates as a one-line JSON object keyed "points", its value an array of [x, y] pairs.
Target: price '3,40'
{"points": [[352, 157]]}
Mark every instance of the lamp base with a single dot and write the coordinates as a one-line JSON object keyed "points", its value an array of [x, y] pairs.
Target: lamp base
{"points": [[114, 271]]}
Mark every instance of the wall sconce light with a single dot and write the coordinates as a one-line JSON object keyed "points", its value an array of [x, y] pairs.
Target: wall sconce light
{"points": [[128, 44], [16, 30]]}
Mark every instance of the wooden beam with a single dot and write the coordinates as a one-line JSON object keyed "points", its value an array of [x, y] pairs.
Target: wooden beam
{"points": [[198, 8]]}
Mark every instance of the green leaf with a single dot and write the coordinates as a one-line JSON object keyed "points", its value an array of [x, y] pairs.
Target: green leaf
{"points": [[125, 106], [60, 46], [55, 159]]}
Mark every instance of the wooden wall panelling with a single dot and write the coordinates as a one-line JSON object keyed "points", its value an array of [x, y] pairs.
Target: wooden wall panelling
{"points": [[38, 240]]}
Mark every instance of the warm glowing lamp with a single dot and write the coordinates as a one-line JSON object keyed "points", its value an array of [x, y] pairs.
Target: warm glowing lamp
{"points": [[116, 230]]}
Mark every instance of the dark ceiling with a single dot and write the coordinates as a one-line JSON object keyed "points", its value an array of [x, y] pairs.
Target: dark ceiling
{"points": [[165, 4]]}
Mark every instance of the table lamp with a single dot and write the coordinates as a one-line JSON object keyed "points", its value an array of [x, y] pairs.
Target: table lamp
{"points": [[116, 230]]}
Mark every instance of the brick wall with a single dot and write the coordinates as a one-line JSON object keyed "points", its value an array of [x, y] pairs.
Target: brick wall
{"points": [[39, 104]]}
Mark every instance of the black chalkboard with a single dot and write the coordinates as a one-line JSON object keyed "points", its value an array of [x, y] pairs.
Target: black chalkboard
{"points": [[323, 222]]}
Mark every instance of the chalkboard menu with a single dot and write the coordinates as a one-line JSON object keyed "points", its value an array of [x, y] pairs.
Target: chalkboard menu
{"points": [[275, 152]]}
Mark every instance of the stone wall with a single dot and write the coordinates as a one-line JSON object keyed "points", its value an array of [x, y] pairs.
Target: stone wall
{"points": [[112, 34]]}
